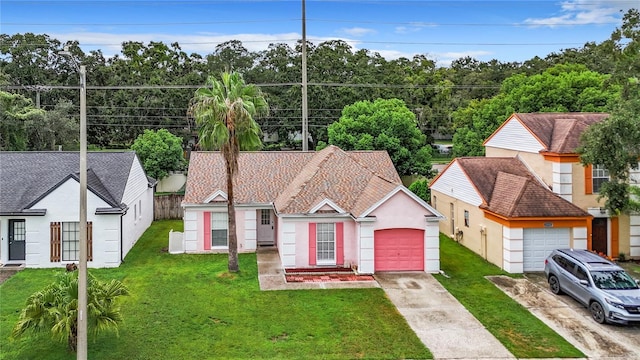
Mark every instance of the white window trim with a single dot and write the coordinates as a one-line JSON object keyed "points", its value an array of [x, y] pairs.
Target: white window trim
{"points": [[63, 240], [600, 170], [335, 247], [226, 227]]}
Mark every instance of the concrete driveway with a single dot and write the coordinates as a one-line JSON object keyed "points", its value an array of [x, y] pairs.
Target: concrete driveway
{"points": [[446, 328], [572, 320]]}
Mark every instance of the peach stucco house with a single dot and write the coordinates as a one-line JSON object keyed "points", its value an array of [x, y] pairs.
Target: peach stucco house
{"points": [[327, 208], [530, 194]]}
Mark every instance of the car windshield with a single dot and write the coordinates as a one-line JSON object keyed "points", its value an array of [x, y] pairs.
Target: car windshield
{"points": [[613, 280]]}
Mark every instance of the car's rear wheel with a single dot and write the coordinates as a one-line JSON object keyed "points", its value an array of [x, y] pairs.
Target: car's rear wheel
{"points": [[597, 312], [554, 285]]}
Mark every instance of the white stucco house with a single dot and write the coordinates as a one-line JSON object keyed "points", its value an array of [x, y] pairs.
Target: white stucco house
{"points": [[39, 207]]}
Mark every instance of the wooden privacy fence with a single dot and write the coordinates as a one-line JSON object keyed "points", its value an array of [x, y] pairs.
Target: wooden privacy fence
{"points": [[167, 207]]}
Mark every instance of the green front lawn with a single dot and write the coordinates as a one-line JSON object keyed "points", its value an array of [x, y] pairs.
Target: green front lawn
{"points": [[190, 307], [514, 326]]}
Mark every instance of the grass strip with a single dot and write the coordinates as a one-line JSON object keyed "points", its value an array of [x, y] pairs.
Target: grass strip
{"points": [[523, 334]]}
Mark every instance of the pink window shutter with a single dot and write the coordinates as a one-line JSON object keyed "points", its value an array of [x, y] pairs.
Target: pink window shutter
{"points": [[340, 243], [312, 243], [207, 231]]}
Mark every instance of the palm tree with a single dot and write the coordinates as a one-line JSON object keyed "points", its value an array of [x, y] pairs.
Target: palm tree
{"points": [[224, 112], [55, 308]]}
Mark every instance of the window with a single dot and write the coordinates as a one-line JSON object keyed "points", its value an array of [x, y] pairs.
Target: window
{"points": [[325, 243], [140, 208], [466, 218], [135, 212], [435, 202], [265, 217], [599, 176], [581, 274], [70, 241], [219, 233]]}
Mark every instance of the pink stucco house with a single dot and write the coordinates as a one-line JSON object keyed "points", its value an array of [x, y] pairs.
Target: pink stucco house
{"points": [[326, 208]]}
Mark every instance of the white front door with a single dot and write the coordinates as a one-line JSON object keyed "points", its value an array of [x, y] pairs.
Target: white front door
{"points": [[266, 227]]}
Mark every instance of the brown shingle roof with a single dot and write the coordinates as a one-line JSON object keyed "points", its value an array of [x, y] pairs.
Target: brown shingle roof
{"points": [[508, 188], [483, 171], [559, 132], [297, 181]]}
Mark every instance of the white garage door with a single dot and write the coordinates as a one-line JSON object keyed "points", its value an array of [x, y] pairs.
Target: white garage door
{"points": [[538, 244]]}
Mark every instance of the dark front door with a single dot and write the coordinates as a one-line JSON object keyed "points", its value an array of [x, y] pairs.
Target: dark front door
{"points": [[17, 237], [599, 235]]}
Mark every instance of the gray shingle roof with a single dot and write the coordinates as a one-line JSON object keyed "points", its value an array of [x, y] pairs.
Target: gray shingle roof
{"points": [[27, 177]]}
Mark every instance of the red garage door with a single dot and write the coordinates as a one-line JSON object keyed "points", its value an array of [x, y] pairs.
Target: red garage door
{"points": [[399, 250]]}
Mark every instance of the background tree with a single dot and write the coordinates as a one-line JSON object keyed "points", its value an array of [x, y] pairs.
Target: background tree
{"points": [[18, 121], [421, 188], [384, 125], [562, 88], [55, 308], [224, 112], [615, 142], [160, 152]]}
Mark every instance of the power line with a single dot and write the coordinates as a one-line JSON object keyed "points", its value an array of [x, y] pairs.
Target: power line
{"points": [[328, 84]]}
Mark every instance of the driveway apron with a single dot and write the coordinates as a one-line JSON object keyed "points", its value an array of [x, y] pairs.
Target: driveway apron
{"points": [[572, 320], [439, 320]]}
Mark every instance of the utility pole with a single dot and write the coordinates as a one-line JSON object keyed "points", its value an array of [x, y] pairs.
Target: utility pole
{"points": [[82, 269], [81, 351], [305, 115]]}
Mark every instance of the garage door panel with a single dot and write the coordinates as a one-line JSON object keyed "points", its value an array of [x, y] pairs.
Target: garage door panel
{"points": [[538, 244], [399, 250]]}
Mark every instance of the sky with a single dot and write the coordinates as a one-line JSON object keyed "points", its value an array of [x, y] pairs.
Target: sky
{"points": [[442, 30]]}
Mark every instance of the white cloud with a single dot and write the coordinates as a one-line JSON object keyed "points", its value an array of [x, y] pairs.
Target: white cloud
{"points": [[413, 27], [357, 31], [584, 12], [445, 58], [203, 43]]}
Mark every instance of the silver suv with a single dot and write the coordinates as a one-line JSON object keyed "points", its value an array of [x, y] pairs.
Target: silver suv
{"points": [[605, 288]]}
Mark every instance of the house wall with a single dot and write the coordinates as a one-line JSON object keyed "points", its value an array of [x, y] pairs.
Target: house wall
{"points": [[534, 161], [293, 240], [139, 215], [402, 212], [194, 228], [486, 243], [62, 206]]}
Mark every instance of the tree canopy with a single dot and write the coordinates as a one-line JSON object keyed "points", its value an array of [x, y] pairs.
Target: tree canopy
{"points": [[160, 152], [224, 111], [148, 85], [384, 125], [615, 142], [562, 88]]}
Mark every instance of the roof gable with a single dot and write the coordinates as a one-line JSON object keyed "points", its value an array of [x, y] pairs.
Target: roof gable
{"points": [[559, 132], [27, 177], [514, 135], [509, 189], [520, 196]]}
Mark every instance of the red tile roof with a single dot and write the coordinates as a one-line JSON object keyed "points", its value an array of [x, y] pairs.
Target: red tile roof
{"points": [[559, 132], [509, 189], [297, 181]]}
